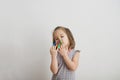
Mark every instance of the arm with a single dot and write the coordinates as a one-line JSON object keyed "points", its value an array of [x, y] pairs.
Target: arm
{"points": [[54, 64], [72, 64]]}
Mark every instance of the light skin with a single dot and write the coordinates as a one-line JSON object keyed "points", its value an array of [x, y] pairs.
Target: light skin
{"points": [[72, 64]]}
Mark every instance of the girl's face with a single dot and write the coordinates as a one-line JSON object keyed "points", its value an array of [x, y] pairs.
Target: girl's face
{"points": [[60, 35]]}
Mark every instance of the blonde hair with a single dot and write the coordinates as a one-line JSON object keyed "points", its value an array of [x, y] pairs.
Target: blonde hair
{"points": [[69, 35]]}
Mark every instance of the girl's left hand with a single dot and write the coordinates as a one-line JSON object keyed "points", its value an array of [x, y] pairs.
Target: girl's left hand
{"points": [[63, 51]]}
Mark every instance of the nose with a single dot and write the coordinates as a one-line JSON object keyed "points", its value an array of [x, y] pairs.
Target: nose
{"points": [[60, 40]]}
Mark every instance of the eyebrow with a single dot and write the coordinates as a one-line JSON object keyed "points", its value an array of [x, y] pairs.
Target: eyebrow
{"points": [[60, 35]]}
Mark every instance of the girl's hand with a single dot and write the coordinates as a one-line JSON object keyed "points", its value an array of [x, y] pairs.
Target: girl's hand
{"points": [[53, 51], [63, 51]]}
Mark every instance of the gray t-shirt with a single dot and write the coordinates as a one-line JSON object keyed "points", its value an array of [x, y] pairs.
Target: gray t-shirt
{"points": [[63, 72]]}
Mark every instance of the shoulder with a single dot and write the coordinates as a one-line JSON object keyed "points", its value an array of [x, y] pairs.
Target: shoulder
{"points": [[76, 53], [76, 56]]}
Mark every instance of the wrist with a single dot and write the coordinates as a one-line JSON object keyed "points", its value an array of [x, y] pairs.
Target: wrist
{"points": [[53, 55], [65, 55]]}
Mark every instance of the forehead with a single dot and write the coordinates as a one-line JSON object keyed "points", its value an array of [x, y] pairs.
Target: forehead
{"points": [[59, 32]]}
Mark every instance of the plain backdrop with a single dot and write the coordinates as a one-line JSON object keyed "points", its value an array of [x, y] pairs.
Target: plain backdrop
{"points": [[26, 35]]}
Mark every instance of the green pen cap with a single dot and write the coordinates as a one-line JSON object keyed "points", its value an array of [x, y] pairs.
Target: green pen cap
{"points": [[59, 45]]}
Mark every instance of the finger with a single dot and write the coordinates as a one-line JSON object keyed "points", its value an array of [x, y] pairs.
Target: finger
{"points": [[57, 49], [54, 47], [51, 48], [61, 47]]}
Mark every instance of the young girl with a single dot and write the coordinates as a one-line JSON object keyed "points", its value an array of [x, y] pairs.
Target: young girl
{"points": [[64, 59]]}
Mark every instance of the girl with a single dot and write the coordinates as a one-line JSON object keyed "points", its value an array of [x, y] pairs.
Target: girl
{"points": [[64, 59]]}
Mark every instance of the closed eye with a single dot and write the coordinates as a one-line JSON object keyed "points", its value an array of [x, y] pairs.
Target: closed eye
{"points": [[62, 36], [56, 39]]}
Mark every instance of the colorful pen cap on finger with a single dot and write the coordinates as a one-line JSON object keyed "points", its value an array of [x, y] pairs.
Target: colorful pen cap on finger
{"points": [[58, 44]]}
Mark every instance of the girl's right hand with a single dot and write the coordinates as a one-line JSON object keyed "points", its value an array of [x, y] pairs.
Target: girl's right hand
{"points": [[53, 50]]}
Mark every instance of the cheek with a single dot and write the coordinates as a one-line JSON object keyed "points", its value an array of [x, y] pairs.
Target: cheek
{"points": [[65, 40]]}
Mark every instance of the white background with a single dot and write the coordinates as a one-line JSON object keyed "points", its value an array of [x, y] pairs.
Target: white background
{"points": [[26, 35]]}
